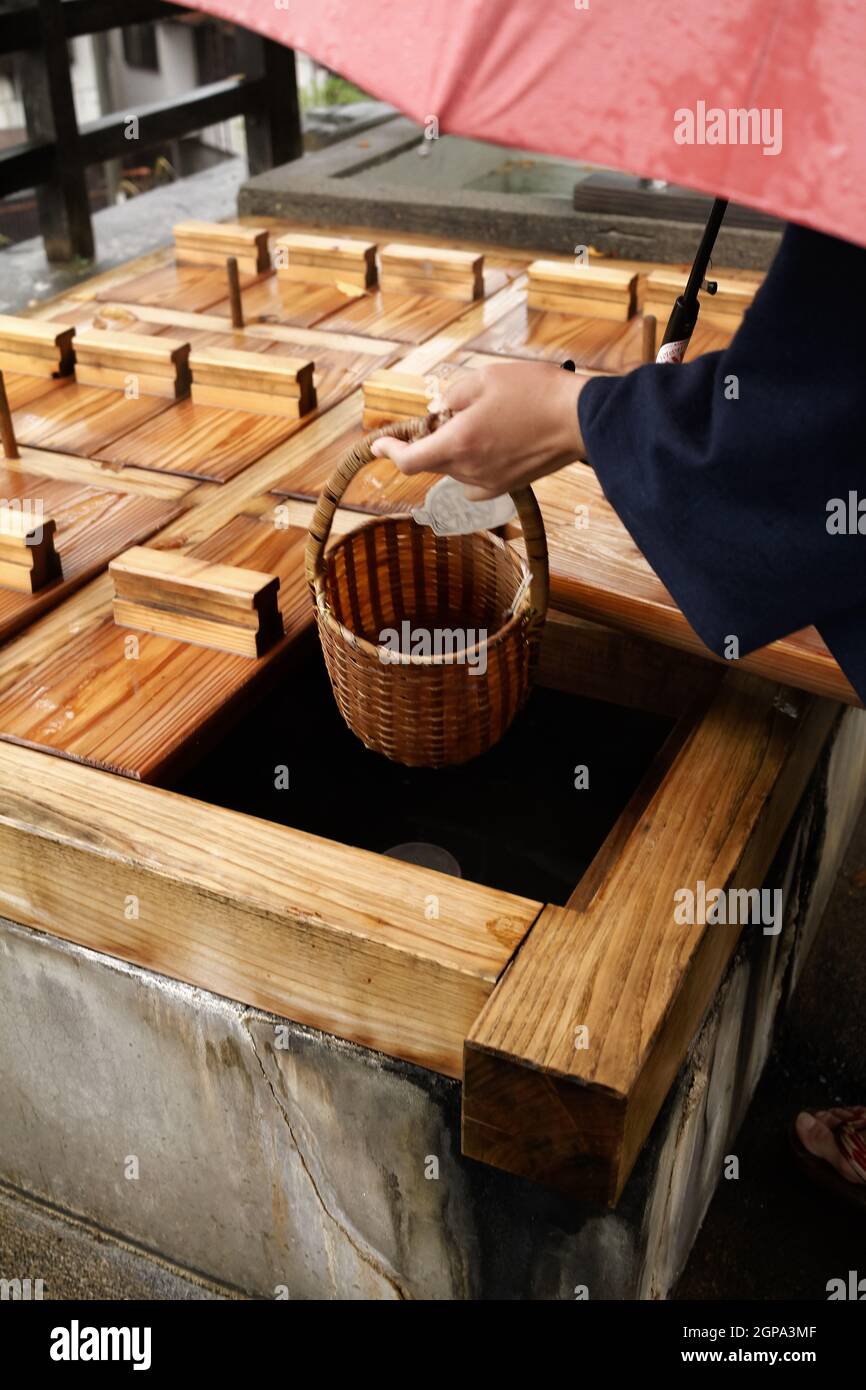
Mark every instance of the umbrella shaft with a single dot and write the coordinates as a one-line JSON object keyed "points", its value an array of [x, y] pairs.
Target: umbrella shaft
{"points": [[684, 314]]}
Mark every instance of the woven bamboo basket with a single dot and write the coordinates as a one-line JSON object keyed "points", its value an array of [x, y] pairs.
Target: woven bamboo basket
{"points": [[464, 614]]}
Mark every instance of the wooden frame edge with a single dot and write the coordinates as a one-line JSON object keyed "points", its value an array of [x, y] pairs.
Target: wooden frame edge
{"points": [[577, 1121]]}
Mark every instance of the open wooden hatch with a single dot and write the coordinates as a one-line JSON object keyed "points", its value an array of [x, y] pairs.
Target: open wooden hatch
{"points": [[195, 806]]}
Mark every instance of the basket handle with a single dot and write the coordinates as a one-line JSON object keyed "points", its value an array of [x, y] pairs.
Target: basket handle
{"points": [[361, 454]]}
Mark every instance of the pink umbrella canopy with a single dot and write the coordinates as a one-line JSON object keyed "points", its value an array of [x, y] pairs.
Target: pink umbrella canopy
{"points": [[759, 101]]}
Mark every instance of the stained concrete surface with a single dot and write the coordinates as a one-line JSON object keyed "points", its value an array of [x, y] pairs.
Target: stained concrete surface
{"points": [[771, 1234], [76, 1261]]}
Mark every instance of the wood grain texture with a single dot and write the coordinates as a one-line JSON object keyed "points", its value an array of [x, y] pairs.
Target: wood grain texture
{"points": [[258, 382], [276, 300], [604, 663], [592, 290], [199, 441], [21, 389], [280, 920], [83, 697], [125, 318], [408, 318], [412, 269], [623, 968], [96, 473], [92, 525], [178, 323], [84, 419], [221, 606], [212, 243], [543, 336], [326, 260], [37, 346], [597, 572], [177, 286], [340, 362], [158, 364]]}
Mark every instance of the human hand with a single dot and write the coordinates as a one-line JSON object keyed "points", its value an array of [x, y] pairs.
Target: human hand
{"points": [[512, 423]]}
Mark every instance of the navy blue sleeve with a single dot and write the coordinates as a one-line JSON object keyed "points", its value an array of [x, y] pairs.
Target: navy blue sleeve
{"points": [[725, 470]]}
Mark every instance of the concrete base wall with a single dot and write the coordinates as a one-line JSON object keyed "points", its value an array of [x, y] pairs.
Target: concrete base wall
{"points": [[281, 1161]]}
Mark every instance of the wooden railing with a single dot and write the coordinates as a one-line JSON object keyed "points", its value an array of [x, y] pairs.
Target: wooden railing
{"points": [[55, 157]]}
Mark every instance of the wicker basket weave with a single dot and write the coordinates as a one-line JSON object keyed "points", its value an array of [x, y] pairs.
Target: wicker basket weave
{"points": [[473, 609]]}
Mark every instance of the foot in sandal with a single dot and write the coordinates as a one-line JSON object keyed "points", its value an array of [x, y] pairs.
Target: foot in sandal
{"points": [[838, 1137]]}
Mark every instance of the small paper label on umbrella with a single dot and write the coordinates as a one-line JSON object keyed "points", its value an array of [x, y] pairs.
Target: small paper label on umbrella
{"points": [[673, 352], [448, 511]]}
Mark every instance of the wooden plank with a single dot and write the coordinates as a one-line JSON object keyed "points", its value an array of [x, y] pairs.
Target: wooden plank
{"points": [[552, 337], [249, 402], [22, 388], [341, 361], [548, 301], [35, 346], [604, 663], [157, 364], [151, 318], [119, 318], [159, 355], [280, 920], [184, 287], [458, 334], [390, 394], [409, 318], [592, 291], [337, 368], [275, 375], [594, 280], [276, 300], [221, 606], [71, 468], [732, 297], [573, 1116], [199, 442], [84, 419], [413, 269], [326, 260], [210, 243]]}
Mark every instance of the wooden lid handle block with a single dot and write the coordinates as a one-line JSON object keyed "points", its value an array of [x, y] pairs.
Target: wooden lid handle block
{"points": [[28, 560], [391, 395], [221, 606], [36, 347], [159, 366], [211, 243], [432, 270], [592, 291], [325, 260], [262, 383]]}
